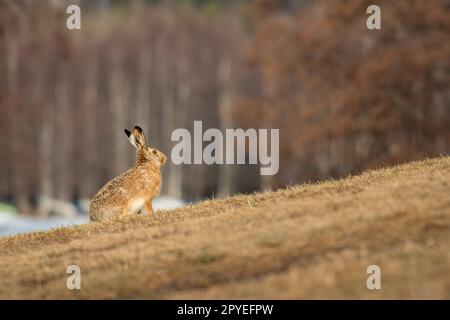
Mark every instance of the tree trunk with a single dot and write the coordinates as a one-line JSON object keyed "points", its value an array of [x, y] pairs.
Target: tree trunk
{"points": [[226, 183], [118, 96]]}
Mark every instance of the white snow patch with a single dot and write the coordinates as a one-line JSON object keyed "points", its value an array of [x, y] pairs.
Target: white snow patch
{"points": [[14, 224], [167, 203], [11, 225]]}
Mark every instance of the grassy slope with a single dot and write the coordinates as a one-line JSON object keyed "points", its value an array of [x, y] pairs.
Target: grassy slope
{"points": [[310, 241]]}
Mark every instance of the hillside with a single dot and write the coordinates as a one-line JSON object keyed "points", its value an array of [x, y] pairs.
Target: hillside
{"points": [[309, 241]]}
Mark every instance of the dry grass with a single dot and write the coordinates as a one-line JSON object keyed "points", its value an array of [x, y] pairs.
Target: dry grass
{"points": [[310, 241]]}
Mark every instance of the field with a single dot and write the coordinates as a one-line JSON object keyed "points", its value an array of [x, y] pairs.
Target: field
{"points": [[309, 241]]}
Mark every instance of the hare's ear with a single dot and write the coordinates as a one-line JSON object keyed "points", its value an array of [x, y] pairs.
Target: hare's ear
{"points": [[140, 138], [131, 137]]}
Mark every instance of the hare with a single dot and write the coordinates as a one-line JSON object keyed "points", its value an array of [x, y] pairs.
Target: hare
{"points": [[134, 189]]}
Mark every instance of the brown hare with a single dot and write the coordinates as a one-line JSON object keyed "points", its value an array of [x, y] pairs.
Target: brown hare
{"points": [[134, 189]]}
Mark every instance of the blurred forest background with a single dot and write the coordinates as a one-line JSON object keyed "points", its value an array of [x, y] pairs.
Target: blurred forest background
{"points": [[345, 98]]}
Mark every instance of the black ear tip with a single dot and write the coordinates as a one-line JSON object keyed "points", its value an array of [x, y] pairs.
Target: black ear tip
{"points": [[138, 128], [127, 132]]}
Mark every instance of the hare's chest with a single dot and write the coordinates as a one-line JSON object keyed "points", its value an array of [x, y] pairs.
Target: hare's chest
{"points": [[153, 183], [136, 205]]}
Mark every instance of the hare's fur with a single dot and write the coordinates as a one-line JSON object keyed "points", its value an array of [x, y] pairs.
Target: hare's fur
{"points": [[134, 189]]}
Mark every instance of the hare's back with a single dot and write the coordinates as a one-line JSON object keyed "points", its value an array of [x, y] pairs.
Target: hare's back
{"points": [[113, 192]]}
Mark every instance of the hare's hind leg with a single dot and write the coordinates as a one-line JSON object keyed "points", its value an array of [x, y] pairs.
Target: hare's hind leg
{"points": [[105, 214], [149, 206]]}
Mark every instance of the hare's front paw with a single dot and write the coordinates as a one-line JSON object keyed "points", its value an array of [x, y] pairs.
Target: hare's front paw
{"points": [[148, 206]]}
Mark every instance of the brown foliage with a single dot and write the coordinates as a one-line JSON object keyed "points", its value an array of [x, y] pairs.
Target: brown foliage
{"points": [[348, 98]]}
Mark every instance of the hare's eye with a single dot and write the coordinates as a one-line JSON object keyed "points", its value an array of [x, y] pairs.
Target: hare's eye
{"points": [[154, 151]]}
